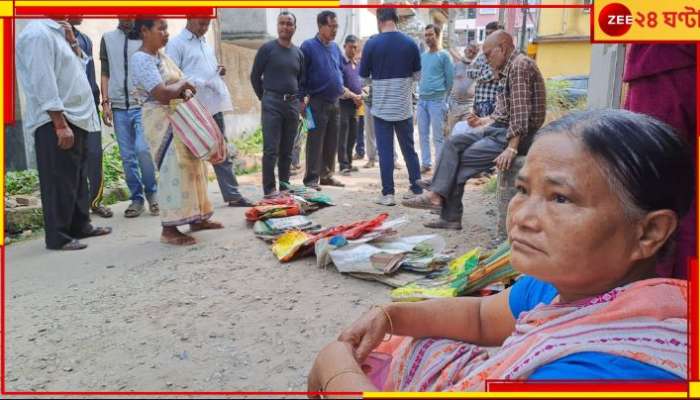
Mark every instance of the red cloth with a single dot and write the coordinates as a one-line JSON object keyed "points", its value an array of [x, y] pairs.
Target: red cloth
{"points": [[661, 81]]}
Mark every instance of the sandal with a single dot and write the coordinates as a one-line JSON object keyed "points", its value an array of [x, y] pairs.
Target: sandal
{"points": [[98, 231], [134, 210], [154, 208], [422, 202], [73, 245], [103, 212], [205, 225], [178, 240]]}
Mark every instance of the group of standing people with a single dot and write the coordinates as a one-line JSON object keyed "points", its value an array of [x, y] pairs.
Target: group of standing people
{"points": [[139, 81]]}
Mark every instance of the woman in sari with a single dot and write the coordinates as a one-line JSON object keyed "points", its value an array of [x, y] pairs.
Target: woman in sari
{"points": [[182, 179], [598, 203]]}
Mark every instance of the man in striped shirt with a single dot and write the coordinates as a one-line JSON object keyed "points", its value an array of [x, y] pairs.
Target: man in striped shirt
{"points": [[392, 61]]}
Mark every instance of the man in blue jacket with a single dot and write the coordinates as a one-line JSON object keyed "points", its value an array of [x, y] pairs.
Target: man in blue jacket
{"points": [[323, 86]]}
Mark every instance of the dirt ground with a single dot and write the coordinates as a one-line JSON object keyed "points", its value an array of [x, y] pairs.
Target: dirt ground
{"points": [[132, 314]]}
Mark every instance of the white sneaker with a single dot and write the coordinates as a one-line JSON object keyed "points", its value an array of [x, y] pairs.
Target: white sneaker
{"points": [[387, 200], [408, 195]]}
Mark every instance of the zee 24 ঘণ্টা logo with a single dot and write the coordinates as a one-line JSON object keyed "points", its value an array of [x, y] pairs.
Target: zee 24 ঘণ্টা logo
{"points": [[616, 19]]}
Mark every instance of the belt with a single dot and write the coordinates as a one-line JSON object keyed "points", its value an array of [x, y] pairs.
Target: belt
{"points": [[283, 96]]}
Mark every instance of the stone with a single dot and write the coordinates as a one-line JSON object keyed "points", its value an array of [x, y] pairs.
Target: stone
{"points": [[505, 190], [26, 201], [23, 218]]}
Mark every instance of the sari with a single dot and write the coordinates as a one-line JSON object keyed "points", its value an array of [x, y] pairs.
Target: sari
{"points": [[645, 321], [182, 180]]}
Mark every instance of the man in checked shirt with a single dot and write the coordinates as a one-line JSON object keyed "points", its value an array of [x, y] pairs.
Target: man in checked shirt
{"points": [[486, 81], [497, 139]]}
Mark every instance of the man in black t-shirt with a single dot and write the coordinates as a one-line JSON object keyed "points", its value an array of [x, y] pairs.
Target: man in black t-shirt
{"points": [[276, 77]]}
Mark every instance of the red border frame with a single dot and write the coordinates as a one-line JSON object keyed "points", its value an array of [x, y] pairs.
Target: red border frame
{"points": [[500, 386]]}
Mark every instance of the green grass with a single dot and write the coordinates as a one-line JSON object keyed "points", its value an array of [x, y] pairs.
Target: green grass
{"points": [[21, 182], [491, 185], [251, 143]]}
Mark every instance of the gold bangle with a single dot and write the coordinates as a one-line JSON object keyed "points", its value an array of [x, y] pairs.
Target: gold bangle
{"points": [[391, 325], [337, 374]]}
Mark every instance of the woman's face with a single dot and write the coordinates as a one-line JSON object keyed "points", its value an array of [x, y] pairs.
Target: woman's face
{"points": [[565, 224], [157, 36]]}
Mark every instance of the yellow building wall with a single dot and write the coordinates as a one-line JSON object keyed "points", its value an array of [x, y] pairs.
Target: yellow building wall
{"points": [[564, 58], [564, 21]]}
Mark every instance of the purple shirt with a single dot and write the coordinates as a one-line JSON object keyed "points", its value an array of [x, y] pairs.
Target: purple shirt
{"points": [[351, 76]]}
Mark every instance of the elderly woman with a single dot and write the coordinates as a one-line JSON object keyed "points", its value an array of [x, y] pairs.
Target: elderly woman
{"points": [[598, 203], [182, 180]]}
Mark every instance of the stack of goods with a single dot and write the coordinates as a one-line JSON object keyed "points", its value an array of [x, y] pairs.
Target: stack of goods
{"points": [[469, 274], [294, 244], [270, 229], [287, 205], [393, 261]]}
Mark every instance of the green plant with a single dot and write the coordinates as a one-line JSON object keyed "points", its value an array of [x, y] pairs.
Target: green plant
{"points": [[558, 103], [21, 182], [491, 185], [112, 166], [250, 144]]}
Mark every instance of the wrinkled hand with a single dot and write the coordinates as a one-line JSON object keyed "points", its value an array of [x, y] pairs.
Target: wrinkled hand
{"points": [[505, 159], [188, 90], [68, 31], [365, 334], [333, 358], [107, 114], [65, 137]]}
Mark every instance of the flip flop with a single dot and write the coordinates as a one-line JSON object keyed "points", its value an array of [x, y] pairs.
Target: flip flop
{"points": [[73, 245]]}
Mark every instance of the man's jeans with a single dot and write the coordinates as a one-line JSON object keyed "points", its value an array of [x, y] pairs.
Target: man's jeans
{"points": [[348, 133], [322, 142], [280, 126], [384, 132], [431, 113], [135, 154]]}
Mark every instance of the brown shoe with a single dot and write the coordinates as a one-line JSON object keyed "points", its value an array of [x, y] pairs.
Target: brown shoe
{"points": [[421, 201], [331, 182], [442, 224]]}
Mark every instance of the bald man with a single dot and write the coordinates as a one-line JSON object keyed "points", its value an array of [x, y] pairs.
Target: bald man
{"points": [[488, 141]]}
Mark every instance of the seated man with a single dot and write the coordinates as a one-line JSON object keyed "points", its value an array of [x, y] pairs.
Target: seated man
{"points": [[496, 139]]}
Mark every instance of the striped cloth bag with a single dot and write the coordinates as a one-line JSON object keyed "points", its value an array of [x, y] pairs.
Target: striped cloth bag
{"points": [[195, 127]]}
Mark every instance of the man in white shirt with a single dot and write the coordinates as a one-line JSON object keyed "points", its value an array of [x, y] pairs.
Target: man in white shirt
{"points": [[59, 111], [197, 61]]}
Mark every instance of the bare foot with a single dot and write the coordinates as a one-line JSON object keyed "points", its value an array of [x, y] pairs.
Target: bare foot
{"points": [[171, 235], [200, 226]]}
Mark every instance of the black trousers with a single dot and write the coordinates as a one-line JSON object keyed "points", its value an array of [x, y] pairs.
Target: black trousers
{"points": [[64, 186], [348, 133], [95, 176], [322, 142], [280, 121]]}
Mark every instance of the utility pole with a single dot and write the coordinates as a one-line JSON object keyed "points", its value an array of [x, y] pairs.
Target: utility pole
{"points": [[523, 29], [502, 13]]}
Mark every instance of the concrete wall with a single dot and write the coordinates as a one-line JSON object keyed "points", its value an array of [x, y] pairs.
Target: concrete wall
{"points": [[243, 31], [564, 58]]}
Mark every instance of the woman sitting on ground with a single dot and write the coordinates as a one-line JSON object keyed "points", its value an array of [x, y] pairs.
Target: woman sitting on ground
{"points": [[182, 180], [599, 199]]}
